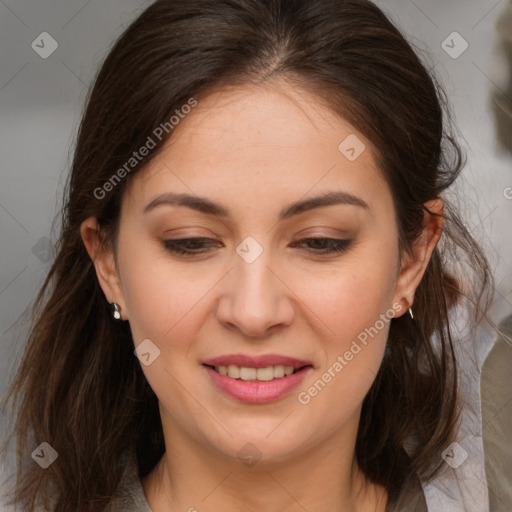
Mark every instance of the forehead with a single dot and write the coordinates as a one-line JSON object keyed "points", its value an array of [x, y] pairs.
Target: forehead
{"points": [[257, 140], [262, 120]]}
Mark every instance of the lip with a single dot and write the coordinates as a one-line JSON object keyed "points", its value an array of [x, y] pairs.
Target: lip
{"points": [[257, 361], [257, 391]]}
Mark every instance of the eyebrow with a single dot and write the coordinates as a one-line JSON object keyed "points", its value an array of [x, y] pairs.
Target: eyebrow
{"points": [[204, 205]]}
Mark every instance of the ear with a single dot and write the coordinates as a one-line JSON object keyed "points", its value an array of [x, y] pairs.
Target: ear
{"points": [[104, 263], [415, 261]]}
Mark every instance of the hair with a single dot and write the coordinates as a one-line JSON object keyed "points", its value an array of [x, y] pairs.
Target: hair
{"points": [[79, 386]]}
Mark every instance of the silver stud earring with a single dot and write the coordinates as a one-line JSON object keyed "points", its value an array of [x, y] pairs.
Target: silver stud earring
{"points": [[115, 310], [410, 313]]}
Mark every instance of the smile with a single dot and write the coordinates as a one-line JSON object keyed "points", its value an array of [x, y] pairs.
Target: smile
{"points": [[256, 379], [248, 374]]}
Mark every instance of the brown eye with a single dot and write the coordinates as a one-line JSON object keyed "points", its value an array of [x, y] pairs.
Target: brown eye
{"points": [[325, 245], [189, 246]]}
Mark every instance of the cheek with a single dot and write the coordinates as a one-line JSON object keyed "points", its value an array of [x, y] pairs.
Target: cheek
{"points": [[359, 327], [160, 298], [358, 318], [351, 298], [337, 392], [355, 308]]}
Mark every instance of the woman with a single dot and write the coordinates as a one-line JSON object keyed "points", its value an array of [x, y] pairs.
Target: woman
{"points": [[256, 212]]}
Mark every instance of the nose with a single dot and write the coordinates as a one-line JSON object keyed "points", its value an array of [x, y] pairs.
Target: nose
{"points": [[256, 300]]}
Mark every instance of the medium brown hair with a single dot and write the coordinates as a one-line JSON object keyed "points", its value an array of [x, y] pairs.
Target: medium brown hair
{"points": [[79, 386]]}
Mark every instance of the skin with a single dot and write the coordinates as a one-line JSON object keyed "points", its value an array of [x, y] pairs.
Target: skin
{"points": [[255, 150]]}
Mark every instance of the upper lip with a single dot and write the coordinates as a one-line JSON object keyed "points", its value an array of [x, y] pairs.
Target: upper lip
{"points": [[260, 361]]}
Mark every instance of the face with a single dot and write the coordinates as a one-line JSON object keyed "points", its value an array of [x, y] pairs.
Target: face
{"points": [[246, 278]]}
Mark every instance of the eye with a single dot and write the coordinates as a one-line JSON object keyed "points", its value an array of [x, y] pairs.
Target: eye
{"points": [[200, 245], [325, 245], [189, 246]]}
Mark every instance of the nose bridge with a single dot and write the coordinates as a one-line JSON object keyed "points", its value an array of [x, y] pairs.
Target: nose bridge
{"points": [[252, 276], [257, 299]]}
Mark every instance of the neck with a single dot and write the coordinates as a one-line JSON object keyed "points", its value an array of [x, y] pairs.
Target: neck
{"points": [[190, 477]]}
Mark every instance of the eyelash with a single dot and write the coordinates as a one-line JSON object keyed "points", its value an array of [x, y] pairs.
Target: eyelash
{"points": [[335, 245]]}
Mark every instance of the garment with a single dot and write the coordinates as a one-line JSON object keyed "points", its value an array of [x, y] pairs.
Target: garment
{"points": [[131, 496], [497, 420], [501, 93]]}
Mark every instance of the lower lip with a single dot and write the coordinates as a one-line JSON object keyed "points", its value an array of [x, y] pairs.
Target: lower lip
{"points": [[257, 391]]}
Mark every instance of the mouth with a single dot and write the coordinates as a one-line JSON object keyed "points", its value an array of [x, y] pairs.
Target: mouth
{"points": [[261, 374], [257, 379]]}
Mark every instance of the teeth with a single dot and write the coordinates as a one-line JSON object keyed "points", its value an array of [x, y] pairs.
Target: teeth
{"points": [[248, 373], [279, 371], [233, 371], [264, 374]]}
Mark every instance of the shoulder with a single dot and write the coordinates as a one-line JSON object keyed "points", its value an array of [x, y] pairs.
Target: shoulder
{"points": [[130, 495]]}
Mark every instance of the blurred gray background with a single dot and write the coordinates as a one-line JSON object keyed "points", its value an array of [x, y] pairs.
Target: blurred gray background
{"points": [[50, 51]]}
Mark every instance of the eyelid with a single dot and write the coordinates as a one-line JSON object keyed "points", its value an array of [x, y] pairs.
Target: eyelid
{"points": [[335, 246], [338, 235], [191, 232]]}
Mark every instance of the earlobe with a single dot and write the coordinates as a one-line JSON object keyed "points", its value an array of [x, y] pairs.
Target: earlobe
{"points": [[407, 306], [104, 263], [415, 261]]}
